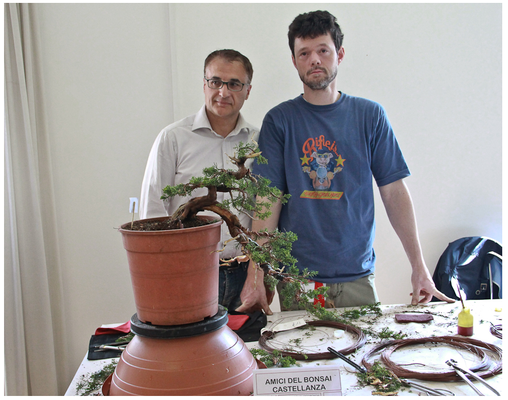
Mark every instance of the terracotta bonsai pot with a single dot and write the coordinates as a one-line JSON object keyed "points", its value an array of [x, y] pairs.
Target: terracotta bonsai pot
{"points": [[216, 363], [174, 273]]}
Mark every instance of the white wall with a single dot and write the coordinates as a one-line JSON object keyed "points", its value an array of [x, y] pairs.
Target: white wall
{"points": [[108, 74], [107, 88]]}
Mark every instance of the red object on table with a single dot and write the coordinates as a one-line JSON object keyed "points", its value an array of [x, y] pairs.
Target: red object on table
{"points": [[320, 299], [235, 322], [123, 328]]}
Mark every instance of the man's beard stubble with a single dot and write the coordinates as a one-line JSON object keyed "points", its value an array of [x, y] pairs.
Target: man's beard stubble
{"points": [[321, 84]]}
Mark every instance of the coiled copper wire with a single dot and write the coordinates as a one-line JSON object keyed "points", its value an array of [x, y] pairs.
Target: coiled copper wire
{"points": [[358, 334], [486, 368], [497, 330]]}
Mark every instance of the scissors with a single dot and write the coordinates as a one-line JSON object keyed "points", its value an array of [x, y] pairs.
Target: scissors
{"points": [[462, 372]]}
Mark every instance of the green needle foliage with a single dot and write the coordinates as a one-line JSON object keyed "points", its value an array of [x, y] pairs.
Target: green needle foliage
{"points": [[253, 195], [346, 316], [385, 382], [93, 382], [241, 182], [274, 359]]}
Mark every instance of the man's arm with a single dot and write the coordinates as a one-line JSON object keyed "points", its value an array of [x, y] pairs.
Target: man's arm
{"points": [[399, 207], [253, 293], [159, 173]]}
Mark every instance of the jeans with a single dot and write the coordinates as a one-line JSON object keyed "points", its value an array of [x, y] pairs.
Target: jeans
{"points": [[231, 281]]}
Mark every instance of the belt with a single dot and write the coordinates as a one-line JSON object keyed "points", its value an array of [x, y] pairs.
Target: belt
{"points": [[233, 265]]}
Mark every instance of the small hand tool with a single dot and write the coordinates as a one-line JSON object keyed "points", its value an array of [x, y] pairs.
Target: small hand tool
{"points": [[462, 372], [104, 347], [428, 390], [118, 343], [344, 358]]}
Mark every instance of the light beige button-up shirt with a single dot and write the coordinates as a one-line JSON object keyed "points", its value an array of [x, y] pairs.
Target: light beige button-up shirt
{"points": [[181, 151]]}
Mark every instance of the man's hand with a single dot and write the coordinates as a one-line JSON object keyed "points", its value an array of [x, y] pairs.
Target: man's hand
{"points": [[424, 286], [254, 294]]}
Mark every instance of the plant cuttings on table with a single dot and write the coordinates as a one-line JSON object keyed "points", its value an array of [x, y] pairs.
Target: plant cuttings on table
{"points": [[273, 359], [346, 316], [90, 384], [384, 380]]}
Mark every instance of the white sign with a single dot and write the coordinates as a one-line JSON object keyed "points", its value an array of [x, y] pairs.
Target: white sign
{"points": [[321, 381]]}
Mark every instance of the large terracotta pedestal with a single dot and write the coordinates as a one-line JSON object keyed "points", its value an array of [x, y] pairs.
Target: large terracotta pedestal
{"points": [[205, 358]]}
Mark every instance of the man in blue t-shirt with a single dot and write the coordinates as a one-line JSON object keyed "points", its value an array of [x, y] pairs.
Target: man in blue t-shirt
{"points": [[325, 148]]}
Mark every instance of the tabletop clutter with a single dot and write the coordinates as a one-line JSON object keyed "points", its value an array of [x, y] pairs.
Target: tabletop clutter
{"points": [[398, 349], [379, 350]]}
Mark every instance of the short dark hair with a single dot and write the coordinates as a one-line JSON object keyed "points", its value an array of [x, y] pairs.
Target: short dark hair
{"points": [[231, 55], [314, 24]]}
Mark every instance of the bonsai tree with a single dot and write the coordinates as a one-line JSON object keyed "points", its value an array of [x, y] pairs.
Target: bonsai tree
{"points": [[273, 256]]}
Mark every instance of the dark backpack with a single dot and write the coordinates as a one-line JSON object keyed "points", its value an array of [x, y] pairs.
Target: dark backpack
{"points": [[473, 263], [250, 331]]}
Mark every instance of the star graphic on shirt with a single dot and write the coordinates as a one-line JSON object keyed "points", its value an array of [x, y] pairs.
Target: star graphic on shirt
{"points": [[340, 160], [305, 160]]}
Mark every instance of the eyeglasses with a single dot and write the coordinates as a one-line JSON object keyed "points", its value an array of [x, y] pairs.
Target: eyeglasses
{"points": [[218, 84]]}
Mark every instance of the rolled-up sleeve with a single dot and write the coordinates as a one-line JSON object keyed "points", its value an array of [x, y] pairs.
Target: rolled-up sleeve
{"points": [[159, 173]]}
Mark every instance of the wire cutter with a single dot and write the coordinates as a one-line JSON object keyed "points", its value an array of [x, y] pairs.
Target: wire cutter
{"points": [[462, 372]]}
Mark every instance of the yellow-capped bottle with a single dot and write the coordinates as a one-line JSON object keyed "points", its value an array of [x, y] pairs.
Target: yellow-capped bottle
{"points": [[465, 322]]}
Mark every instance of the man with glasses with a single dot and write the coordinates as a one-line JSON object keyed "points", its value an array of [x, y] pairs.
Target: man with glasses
{"points": [[184, 148], [324, 148]]}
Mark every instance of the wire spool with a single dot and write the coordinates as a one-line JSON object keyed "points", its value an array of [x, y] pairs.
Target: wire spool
{"points": [[357, 333], [486, 368], [497, 330]]}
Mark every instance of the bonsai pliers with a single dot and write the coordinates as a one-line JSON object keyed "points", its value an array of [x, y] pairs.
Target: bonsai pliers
{"points": [[462, 372]]}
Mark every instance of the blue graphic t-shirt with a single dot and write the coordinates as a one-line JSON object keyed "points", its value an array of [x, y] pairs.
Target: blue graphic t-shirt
{"points": [[326, 157]]}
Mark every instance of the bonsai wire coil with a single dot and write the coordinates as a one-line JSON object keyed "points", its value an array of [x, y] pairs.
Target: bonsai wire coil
{"points": [[497, 330], [360, 339], [475, 346]]}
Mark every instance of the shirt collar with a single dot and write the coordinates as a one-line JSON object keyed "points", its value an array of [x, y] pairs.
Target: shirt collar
{"points": [[201, 122]]}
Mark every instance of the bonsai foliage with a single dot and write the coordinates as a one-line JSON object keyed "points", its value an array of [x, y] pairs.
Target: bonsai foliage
{"points": [[243, 187]]}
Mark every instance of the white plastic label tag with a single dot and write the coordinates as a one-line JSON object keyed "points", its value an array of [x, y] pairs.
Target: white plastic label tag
{"points": [[133, 202]]}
